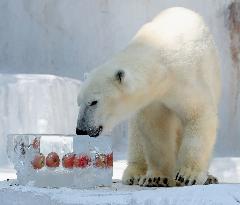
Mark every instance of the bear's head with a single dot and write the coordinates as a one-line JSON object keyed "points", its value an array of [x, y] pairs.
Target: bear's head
{"points": [[116, 90], [101, 101], [107, 97]]}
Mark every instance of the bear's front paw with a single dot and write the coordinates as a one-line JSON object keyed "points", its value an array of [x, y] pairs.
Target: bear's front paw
{"points": [[132, 175], [156, 181], [188, 178], [211, 180], [131, 180]]}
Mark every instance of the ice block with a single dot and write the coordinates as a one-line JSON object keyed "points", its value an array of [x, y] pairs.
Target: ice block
{"points": [[61, 160]]}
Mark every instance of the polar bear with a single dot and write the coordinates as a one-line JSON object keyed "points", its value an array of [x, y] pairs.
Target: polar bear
{"points": [[167, 82]]}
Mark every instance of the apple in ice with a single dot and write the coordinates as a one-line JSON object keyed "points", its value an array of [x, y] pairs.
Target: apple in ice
{"points": [[68, 160], [82, 161], [36, 143], [109, 160], [101, 161], [38, 161], [52, 160]]}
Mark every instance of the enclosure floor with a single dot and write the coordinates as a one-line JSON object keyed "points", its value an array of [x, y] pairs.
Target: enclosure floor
{"points": [[224, 193]]}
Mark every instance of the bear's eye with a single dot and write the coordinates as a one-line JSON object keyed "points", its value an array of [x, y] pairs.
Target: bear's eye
{"points": [[93, 103]]}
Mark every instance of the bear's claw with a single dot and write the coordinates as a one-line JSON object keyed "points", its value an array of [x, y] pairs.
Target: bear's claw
{"points": [[182, 181], [211, 180], [167, 182], [156, 182], [132, 180]]}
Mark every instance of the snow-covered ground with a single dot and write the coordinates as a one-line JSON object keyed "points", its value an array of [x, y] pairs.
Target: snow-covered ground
{"points": [[226, 193]]}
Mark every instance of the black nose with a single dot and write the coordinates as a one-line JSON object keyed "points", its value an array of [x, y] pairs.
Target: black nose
{"points": [[81, 132]]}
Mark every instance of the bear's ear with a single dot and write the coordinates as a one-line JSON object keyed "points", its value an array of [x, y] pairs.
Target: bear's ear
{"points": [[119, 76]]}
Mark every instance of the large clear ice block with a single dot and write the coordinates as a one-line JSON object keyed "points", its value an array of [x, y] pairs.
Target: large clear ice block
{"points": [[61, 160]]}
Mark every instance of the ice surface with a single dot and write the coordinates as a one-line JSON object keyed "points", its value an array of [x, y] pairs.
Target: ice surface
{"points": [[39, 160]]}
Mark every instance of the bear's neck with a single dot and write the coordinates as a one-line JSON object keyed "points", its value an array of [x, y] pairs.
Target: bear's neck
{"points": [[149, 80]]}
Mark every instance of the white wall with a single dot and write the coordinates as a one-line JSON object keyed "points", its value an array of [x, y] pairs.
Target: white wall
{"points": [[71, 37]]}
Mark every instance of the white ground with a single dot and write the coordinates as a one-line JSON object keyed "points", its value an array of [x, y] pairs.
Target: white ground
{"points": [[227, 170]]}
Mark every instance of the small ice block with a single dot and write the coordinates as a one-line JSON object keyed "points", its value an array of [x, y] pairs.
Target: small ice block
{"points": [[61, 160]]}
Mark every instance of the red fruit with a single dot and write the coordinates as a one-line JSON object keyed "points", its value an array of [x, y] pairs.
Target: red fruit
{"points": [[101, 161], [52, 160], [38, 161], [110, 160], [36, 143], [81, 161], [68, 160]]}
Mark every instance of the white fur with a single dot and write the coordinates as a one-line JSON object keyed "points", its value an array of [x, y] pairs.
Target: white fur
{"points": [[170, 91]]}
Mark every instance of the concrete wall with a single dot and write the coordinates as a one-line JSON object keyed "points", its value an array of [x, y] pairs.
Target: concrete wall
{"points": [[71, 37]]}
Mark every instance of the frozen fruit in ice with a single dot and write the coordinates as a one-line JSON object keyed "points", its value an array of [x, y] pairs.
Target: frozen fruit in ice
{"points": [[52, 160], [101, 160], [81, 161], [68, 160], [109, 160], [36, 143], [39, 161]]}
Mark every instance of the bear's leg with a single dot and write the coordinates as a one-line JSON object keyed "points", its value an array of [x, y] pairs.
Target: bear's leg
{"points": [[161, 135], [136, 160], [195, 151]]}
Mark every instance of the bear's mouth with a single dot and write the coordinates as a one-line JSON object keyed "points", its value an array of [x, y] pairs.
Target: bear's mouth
{"points": [[95, 132], [91, 132]]}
